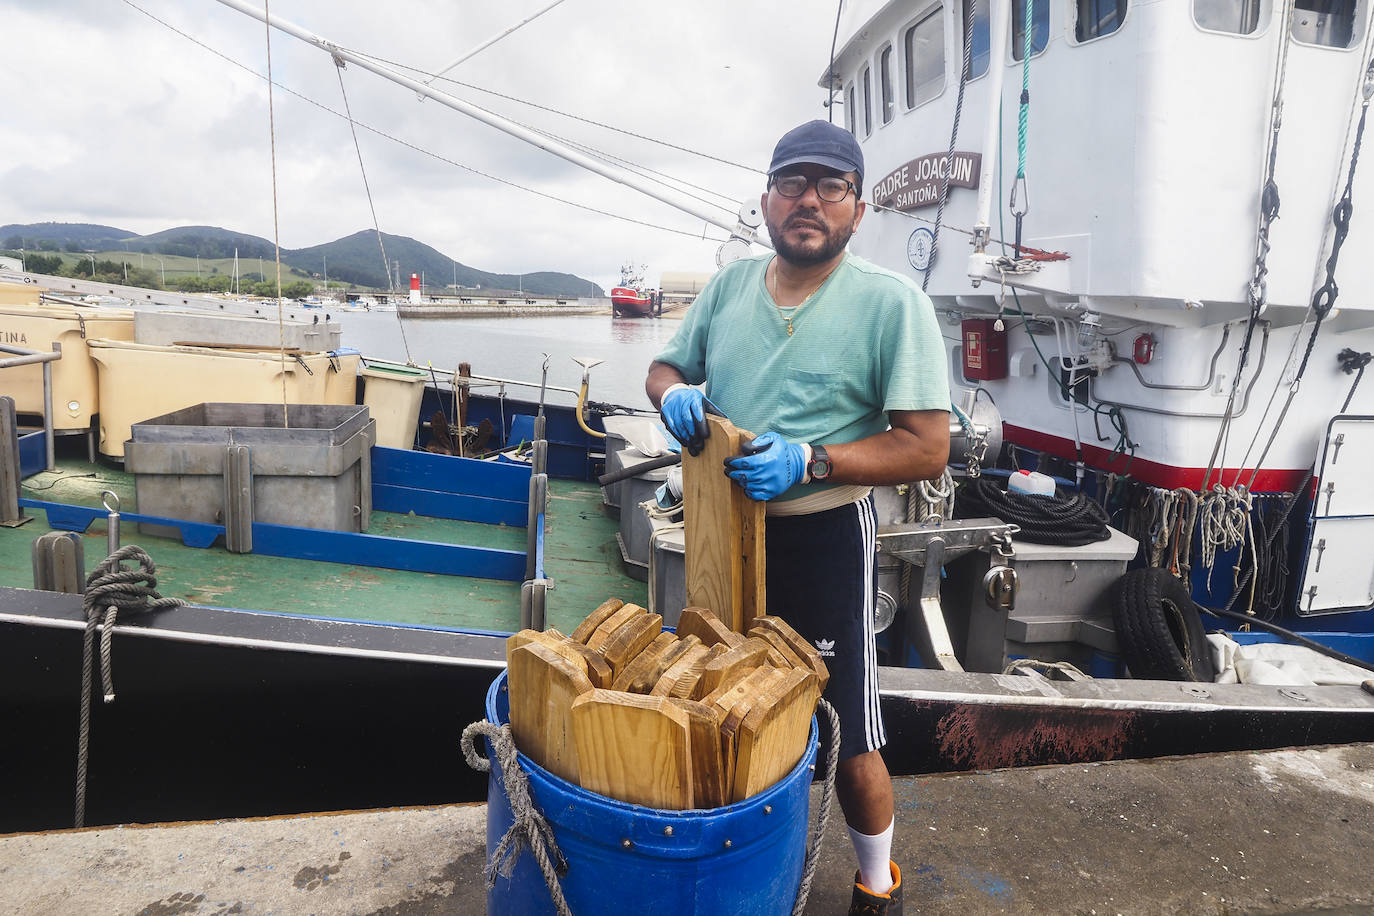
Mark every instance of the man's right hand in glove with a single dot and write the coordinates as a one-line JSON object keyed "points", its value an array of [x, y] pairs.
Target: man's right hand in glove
{"points": [[683, 409]]}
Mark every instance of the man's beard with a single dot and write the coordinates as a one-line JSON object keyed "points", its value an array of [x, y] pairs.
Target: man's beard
{"points": [[835, 241]]}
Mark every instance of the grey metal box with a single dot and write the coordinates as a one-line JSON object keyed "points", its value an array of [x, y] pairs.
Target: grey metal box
{"points": [[1063, 607], [634, 521], [620, 431], [314, 471], [668, 572]]}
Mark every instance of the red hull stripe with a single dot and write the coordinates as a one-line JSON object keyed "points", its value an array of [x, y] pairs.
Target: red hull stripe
{"points": [[1151, 472]]}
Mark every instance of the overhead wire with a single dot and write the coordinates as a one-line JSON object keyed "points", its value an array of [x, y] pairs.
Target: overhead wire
{"points": [[693, 234]]}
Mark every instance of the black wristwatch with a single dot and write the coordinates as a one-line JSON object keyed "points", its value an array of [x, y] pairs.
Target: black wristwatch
{"points": [[819, 467]]}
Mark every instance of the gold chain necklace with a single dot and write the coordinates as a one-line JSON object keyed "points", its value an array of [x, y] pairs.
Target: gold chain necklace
{"points": [[787, 319]]}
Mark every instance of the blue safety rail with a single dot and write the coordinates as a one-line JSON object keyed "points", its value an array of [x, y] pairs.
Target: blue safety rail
{"points": [[442, 486], [318, 544], [33, 453]]}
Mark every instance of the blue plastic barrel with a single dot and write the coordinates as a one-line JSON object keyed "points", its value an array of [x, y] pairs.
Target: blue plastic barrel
{"points": [[744, 858]]}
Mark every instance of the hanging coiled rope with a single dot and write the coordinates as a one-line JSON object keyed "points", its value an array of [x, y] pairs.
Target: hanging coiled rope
{"points": [[110, 588], [1067, 521]]}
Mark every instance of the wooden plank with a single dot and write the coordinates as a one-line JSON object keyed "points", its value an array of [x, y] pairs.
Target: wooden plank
{"points": [[724, 532], [596, 618], [709, 789], [706, 626], [634, 748], [798, 644], [543, 686], [751, 653], [773, 734], [628, 641], [612, 623], [644, 670], [597, 669], [687, 667], [789, 658], [732, 705]]}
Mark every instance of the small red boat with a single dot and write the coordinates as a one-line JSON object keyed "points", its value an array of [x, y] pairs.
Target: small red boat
{"points": [[631, 303]]}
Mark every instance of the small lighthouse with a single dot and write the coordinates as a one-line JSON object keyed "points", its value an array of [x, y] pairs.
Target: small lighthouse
{"points": [[414, 287]]}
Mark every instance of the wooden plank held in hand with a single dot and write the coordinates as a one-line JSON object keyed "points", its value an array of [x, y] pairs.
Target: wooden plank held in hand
{"points": [[634, 748], [543, 686], [772, 736], [724, 533]]}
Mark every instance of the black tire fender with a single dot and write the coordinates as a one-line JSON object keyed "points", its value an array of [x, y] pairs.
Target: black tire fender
{"points": [[1158, 628]]}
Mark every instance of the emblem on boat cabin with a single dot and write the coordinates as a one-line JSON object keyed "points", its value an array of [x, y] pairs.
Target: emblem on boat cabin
{"points": [[919, 248], [917, 184]]}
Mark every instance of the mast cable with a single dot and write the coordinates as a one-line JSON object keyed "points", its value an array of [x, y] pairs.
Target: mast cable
{"points": [[376, 226], [276, 231], [970, 10], [419, 149], [510, 98]]}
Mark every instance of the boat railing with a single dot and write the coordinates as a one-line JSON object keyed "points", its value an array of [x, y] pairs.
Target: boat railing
{"points": [[23, 357]]}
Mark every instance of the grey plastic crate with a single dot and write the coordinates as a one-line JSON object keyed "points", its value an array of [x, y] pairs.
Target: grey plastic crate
{"points": [[634, 521], [668, 572], [619, 432], [314, 471]]}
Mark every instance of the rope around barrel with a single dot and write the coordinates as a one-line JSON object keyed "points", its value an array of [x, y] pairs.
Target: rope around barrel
{"points": [[530, 829], [110, 587]]}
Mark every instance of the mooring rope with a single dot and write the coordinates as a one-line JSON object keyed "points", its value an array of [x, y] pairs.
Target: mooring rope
{"points": [[110, 588], [529, 829]]}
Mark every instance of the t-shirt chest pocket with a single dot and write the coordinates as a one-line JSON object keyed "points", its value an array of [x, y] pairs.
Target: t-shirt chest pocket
{"points": [[806, 395]]}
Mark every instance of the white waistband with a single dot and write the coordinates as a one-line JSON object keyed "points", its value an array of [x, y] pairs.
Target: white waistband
{"points": [[820, 501]]}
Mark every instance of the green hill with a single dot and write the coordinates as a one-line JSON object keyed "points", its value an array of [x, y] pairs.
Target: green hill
{"points": [[355, 259]]}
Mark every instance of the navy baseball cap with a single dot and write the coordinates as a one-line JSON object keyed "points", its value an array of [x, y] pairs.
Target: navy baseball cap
{"points": [[821, 143]]}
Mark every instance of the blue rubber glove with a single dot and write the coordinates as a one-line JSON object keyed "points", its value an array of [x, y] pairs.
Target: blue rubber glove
{"points": [[684, 414], [768, 466]]}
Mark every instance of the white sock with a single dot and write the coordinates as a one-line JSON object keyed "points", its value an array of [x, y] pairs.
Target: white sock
{"points": [[875, 854]]}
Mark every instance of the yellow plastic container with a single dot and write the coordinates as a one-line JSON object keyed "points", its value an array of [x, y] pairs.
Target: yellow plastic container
{"points": [[392, 393], [141, 381], [75, 391], [341, 381]]}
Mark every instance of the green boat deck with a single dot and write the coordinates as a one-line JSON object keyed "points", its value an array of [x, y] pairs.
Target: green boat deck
{"points": [[580, 557]]}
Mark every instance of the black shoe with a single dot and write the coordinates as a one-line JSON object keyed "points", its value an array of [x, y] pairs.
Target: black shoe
{"points": [[867, 903]]}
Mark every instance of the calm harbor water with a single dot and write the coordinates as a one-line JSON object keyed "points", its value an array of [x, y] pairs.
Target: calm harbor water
{"points": [[513, 348]]}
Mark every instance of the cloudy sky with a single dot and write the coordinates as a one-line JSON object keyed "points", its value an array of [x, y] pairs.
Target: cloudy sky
{"points": [[113, 118]]}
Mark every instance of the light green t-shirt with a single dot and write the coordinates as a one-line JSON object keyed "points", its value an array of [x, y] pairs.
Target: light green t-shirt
{"points": [[865, 343]]}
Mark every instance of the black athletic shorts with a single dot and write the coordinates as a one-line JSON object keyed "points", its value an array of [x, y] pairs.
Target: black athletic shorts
{"points": [[823, 580]]}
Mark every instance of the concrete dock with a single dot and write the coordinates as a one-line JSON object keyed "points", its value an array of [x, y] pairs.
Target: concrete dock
{"points": [[1287, 831]]}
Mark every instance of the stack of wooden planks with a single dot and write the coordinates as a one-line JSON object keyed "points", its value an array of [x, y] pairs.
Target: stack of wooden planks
{"points": [[697, 719]]}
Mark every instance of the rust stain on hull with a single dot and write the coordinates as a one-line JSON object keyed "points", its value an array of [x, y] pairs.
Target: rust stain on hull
{"points": [[991, 737]]}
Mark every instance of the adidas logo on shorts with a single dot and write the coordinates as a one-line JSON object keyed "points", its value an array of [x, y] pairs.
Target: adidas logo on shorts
{"points": [[826, 647]]}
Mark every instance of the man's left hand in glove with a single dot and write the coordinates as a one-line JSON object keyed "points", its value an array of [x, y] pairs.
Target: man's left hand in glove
{"points": [[768, 466]]}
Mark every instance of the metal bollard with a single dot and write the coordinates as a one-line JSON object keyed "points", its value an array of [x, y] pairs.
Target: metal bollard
{"points": [[11, 516], [111, 521], [59, 563]]}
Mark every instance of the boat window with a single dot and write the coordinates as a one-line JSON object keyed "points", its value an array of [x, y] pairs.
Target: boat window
{"points": [[849, 111], [885, 75], [978, 53], [1325, 22], [1240, 17], [924, 47], [1096, 18], [1040, 28], [868, 100]]}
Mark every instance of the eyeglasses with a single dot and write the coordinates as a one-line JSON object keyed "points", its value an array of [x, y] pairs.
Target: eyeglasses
{"points": [[829, 188]]}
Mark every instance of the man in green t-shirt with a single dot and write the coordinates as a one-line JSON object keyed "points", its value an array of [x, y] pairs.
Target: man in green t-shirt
{"points": [[839, 366]]}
